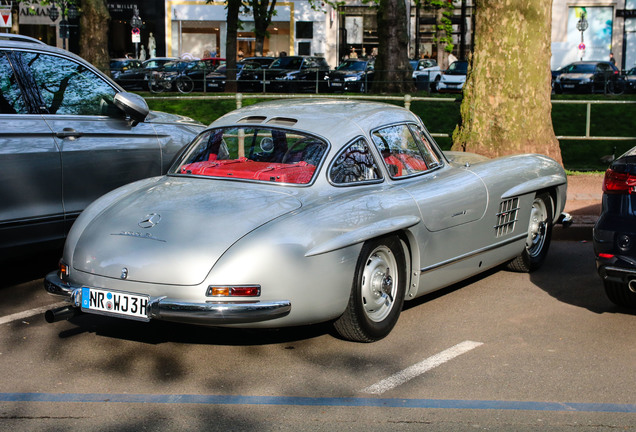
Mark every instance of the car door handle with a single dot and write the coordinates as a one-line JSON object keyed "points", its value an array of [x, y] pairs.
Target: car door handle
{"points": [[69, 133]]}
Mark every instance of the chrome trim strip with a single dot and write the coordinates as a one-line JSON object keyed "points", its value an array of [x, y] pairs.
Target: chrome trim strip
{"points": [[163, 308], [473, 253], [217, 312]]}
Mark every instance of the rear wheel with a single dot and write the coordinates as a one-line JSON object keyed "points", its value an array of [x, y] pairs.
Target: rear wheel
{"points": [[377, 294], [620, 294], [539, 235], [155, 85]]}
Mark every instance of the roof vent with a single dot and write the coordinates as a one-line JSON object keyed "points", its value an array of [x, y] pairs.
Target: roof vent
{"points": [[283, 121]]}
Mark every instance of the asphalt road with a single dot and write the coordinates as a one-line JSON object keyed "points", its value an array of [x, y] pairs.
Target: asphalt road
{"points": [[504, 352]]}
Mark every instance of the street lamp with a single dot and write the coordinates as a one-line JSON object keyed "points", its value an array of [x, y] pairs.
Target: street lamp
{"points": [[135, 23], [581, 26], [69, 10]]}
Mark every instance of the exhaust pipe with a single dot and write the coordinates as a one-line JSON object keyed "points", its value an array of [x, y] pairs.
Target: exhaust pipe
{"points": [[565, 219], [59, 314], [632, 285]]}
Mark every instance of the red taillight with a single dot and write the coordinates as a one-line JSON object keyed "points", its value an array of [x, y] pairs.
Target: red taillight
{"points": [[619, 183], [605, 255], [234, 291]]}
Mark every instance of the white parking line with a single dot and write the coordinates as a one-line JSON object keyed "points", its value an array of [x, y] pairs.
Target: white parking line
{"points": [[30, 313], [421, 367]]}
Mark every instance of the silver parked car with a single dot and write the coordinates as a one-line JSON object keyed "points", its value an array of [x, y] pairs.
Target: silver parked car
{"points": [[295, 212], [69, 134]]}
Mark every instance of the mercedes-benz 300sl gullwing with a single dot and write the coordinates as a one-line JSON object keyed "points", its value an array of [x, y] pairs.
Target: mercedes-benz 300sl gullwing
{"points": [[289, 213]]}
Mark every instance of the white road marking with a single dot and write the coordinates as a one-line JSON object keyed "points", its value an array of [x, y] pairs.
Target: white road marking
{"points": [[30, 312], [421, 367]]}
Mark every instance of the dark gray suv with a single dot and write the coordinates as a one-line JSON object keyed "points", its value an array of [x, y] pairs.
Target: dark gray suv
{"points": [[69, 134]]}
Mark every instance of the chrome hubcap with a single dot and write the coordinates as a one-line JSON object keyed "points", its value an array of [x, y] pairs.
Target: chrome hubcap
{"points": [[537, 230], [379, 284]]}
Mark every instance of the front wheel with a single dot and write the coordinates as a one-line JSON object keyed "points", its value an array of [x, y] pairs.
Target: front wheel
{"points": [[377, 294], [539, 235], [185, 84]]}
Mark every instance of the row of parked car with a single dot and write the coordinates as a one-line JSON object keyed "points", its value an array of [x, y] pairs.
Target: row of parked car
{"points": [[593, 77], [276, 74]]}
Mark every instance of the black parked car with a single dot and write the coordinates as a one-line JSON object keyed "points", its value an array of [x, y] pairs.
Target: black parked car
{"points": [[137, 78], [199, 69], [353, 75], [248, 75], [615, 231], [296, 74], [630, 80], [70, 135], [119, 65], [589, 77]]}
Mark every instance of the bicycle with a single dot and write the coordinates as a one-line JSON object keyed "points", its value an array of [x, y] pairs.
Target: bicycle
{"points": [[158, 83]]}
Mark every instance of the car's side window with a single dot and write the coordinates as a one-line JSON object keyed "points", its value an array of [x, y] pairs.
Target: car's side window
{"points": [[355, 164], [402, 153], [68, 87], [11, 100]]}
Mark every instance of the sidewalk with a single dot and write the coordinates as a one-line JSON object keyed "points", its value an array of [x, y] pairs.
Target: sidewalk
{"points": [[584, 204]]}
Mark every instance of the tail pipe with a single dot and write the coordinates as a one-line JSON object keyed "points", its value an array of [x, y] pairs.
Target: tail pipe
{"points": [[60, 314], [632, 285], [565, 219]]}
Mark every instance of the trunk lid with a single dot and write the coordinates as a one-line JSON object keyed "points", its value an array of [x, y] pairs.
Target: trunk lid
{"points": [[174, 231]]}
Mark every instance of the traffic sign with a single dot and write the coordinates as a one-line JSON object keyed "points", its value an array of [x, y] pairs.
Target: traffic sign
{"points": [[5, 18], [136, 35]]}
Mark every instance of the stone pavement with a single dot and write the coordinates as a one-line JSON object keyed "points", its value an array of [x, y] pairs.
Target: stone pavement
{"points": [[584, 204]]}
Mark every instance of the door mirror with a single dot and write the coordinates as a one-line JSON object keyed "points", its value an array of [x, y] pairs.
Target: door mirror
{"points": [[133, 105]]}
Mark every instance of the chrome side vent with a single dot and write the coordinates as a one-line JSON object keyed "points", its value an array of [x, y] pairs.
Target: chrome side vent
{"points": [[507, 217]]}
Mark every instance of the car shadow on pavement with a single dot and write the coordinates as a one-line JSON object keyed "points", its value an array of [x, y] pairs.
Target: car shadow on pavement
{"points": [[569, 275], [158, 332]]}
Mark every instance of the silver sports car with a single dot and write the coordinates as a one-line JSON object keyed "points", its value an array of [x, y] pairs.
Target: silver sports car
{"points": [[295, 212]]}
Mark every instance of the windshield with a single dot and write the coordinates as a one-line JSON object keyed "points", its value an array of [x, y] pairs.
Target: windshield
{"points": [[264, 154], [459, 66], [352, 66], [287, 63]]}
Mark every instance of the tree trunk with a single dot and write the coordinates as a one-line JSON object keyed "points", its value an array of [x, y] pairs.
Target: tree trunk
{"points": [[392, 69], [262, 10], [506, 107], [439, 36], [233, 7], [94, 30]]}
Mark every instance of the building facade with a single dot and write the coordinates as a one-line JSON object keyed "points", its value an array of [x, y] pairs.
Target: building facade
{"points": [[608, 26], [195, 28]]}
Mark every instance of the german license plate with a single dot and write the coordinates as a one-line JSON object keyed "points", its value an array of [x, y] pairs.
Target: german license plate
{"points": [[336, 84], [116, 303], [568, 85]]}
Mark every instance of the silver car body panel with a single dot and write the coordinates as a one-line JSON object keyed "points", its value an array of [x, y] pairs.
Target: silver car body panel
{"points": [[300, 243]]}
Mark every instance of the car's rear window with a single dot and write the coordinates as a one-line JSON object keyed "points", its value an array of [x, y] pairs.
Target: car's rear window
{"points": [[253, 153]]}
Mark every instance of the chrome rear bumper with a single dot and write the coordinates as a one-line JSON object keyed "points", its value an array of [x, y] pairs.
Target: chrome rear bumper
{"points": [[163, 308]]}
